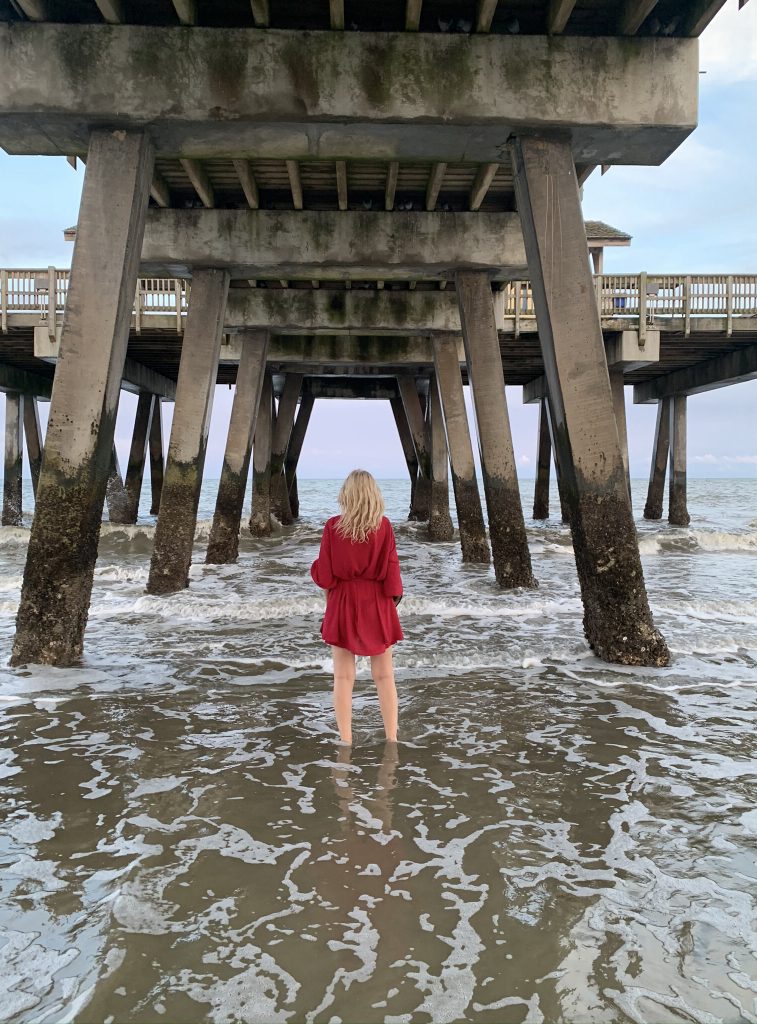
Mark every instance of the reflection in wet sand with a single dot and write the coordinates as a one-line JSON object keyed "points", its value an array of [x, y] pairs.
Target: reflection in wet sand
{"points": [[552, 839]]}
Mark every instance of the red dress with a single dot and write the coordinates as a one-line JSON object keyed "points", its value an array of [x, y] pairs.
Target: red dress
{"points": [[362, 578]]}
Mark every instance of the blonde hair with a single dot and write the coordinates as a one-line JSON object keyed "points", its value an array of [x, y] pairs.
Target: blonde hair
{"points": [[362, 506]]}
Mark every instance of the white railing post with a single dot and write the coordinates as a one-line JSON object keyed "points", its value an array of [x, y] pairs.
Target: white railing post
{"points": [[51, 301], [517, 308], [642, 308], [598, 293], [138, 308], [4, 301], [687, 305], [729, 305], [178, 294]]}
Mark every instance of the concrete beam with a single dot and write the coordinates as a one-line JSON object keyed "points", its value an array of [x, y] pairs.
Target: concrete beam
{"points": [[138, 378], [12, 378], [733, 368], [332, 245], [320, 387], [343, 351], [296, 95]]}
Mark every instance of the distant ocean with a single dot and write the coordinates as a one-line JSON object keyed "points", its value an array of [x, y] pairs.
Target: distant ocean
{"points": [[554, 839]]}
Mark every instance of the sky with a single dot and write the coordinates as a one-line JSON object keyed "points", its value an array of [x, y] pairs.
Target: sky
{"points": [[695, 214]]}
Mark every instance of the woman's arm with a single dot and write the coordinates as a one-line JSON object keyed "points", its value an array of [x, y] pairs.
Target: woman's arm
{"points": [[321, 570], [392, 581]]}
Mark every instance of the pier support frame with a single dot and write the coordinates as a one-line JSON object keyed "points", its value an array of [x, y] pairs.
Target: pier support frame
{"points": [[439, 521], [617, 619], [14, 456], [198, 371], [62, 550], [137, 456], [115, 492], [260, 517], [420, 509], [543, 456], [408, 448], [282, 433], [33, 434], [156, 457], [507, 528], [657, 472], [223, 545], [294, 450], [618, 388], [678, 513], [470, 517]]}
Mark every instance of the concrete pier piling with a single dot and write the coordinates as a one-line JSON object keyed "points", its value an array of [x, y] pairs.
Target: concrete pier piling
{"points": [[223, 545], [14, 447], [157, 460], [115, 492], [617, 386], [198, 370], [294, 450], [420, 509], [260, 518], [617, 619], [439, 521], [62, 550], [33, 435], [507, 528], [282, 433], [658, 470], [138, 455], [543, 456], [678, 513], [408, 448], [470, 517]]}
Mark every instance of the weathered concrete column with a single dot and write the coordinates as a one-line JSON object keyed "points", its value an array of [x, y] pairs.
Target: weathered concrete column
{"points": [[260, 517], [421, 508], [198, 371], [62, 548], [282, 432], [470, 516], [137, 455], [115, 492], [33, 435], [656, 489], [617, 619], [618, 388], [408, 448], [294, 450], [678, 513], [544, 454], [507, 528], [14, 455], [156, 457], [223, 545], [439, 521]]}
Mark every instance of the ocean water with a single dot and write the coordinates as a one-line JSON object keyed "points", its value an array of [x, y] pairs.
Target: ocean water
{"points": [[554, 839]]}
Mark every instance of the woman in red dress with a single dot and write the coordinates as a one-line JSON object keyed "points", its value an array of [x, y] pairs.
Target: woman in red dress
{"points": [[358, 568]]}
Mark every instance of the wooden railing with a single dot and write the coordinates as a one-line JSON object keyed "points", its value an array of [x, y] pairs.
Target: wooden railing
{"points": [[637, 296]]}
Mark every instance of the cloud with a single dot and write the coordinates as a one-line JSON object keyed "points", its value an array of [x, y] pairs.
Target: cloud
{"points": [[728, 46], [725, 460]]}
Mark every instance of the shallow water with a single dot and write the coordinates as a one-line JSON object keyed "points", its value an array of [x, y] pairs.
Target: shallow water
{"points": [[554, 839]]}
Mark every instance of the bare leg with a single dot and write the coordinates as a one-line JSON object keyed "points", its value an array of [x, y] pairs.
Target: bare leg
{"points": [[382, 671], [344, 680]]}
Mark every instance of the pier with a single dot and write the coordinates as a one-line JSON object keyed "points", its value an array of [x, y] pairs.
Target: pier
{"points": [[311, 211]]}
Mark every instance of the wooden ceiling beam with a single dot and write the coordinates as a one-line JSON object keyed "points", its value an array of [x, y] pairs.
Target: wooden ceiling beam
{"points": [[200, 181], [341, 184], [295, 183], [111, 10], [186, 11], [336, 15], [248, 183], [484, 178], [413, 15], [484, 13], [634, 14], [558, 15], [391, 185], [260, 13], [434, 185]]}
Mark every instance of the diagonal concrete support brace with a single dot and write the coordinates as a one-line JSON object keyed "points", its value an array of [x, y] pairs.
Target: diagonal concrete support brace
{"points": [[14, 448], [294, 451], [137, 456], [157, 460], [33, 435], [421, 506], [260, 517], [408, 448], [657, 472], [279, 443], [617, 619], [544, 454], [507, 528], [439, 521], [470, 516], [115, 492], [223, 545], [198, 371], [62, 549]]}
